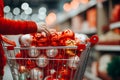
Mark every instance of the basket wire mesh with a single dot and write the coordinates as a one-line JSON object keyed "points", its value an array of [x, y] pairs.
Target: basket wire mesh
{"points": [[74, 74], [14, 66]]}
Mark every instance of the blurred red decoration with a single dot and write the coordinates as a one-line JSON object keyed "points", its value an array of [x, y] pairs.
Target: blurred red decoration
{"points": [[63, 73], [92, 17], [54, 36], [41, 39], [30, 64], [58, 59], [54, 78], [19, 59], [115, 13], [67, 33], [54, 39]]}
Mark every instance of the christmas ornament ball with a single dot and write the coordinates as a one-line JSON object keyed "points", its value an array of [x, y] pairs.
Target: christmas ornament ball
{"points": [[73, 62], [25, 40], [36, 74], [42, 61], [82, 37], [51, 52], [33, 52]]}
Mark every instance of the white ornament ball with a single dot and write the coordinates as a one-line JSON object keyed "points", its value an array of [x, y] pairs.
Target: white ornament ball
{"points": [[81, 37], [51, 52], [36, 74], [33, 52], [25, 40], [42, 61], [73, 62]]}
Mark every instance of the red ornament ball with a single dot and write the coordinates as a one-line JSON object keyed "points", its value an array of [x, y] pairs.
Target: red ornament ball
{"points": [[19, 59], [67, 34], [58, 60], [54, 36], [64, 72], [30, 64]]}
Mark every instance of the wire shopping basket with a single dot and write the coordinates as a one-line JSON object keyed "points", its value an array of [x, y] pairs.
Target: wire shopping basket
{"points": [[52, 63]]}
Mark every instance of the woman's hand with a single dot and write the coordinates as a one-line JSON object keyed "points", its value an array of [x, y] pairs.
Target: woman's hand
{"points": [[41, 27]]}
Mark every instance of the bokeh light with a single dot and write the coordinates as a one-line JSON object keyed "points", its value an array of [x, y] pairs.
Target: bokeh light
{"points": [[23, 16], [51, 18], [74, 4], [84, 1], [16, 11], [42, 9], [9, 15], [24, 6], [6, 9], [67, 7], [42, 16], [34, 17], [28, 11], [17, 17]]}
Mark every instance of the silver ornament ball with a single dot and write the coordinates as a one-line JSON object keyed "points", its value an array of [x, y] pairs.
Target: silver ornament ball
{"points": [[73, 62], [42, 61], [33, 52], [51, 52], [36, 74]]}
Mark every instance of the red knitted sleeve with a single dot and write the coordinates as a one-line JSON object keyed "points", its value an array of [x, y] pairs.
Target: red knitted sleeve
{"points": [[12, 27]]}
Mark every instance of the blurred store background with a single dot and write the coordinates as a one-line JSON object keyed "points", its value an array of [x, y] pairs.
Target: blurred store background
{"points": [[89, 17]]}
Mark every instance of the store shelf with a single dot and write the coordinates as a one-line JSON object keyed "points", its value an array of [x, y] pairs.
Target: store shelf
{"points": [[107, 47], [67, 15], [115, 25], [89, 31], [61, 17]]}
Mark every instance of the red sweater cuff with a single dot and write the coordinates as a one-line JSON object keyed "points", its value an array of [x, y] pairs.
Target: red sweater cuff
{"points": [[31, 27]]}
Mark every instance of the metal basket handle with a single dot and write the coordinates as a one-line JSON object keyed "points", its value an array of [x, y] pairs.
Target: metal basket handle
{"points": [[84, 58]]}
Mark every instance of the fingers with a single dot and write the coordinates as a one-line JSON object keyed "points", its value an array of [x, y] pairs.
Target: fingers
{"points": [[43, 28], [46, 31]]}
